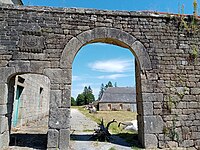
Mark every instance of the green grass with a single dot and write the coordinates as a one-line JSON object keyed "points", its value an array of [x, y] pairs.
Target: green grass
{"points": [[119, 116]]}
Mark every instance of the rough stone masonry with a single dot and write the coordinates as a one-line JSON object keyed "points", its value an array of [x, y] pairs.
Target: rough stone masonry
{"points": [[44, 40]]}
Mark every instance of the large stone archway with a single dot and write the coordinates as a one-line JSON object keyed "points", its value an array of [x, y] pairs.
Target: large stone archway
{"points": [[146, 119]]}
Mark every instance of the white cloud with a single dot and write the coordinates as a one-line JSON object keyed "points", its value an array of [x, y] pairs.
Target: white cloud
{"points": [[76, 78], [113, 76], [113, 65]]}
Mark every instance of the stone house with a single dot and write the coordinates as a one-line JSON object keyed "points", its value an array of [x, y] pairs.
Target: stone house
{"points": [[118, 98]]}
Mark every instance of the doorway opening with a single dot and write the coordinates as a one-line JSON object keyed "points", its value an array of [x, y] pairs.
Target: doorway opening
{"points": [[28, 110], [110, 73]]}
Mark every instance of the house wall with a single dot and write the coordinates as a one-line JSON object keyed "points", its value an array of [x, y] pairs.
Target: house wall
{"points": [[33, 102], [117, 106]]}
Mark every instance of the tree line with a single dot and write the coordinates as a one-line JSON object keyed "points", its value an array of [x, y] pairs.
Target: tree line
{"points": [[87, 96]]}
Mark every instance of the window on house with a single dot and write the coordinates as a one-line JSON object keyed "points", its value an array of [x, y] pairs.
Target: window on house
{"points": [[109, 107], [121, 106]]}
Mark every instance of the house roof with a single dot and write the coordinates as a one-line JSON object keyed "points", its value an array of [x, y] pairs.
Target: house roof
{"points": [[119, 95]]}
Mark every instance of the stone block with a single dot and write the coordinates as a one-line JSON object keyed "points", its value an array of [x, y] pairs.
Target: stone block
{"points": [[86, 37], [3, 124], [99, 33], [59, 76], [53, 138], [3, 109], [20, 65], [64, 139], [148, 108], [157, 105], [59, 118], [55, 98], [38, 66], [172, 144], [152, 76], [195, 91], [142, 55], [5, 73], [187, 143], [198, 116], [4, 140], [66, 97], [3, 93], [151, 141], [152, 97], [121, 36], [153, 124], [3, 63], [196, 135], [69, 52]]}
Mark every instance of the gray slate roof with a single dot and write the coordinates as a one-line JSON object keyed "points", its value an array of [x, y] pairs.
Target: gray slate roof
{"points": [[119, 95]]}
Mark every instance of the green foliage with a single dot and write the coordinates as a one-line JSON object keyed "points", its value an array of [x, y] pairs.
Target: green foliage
{"points": [[86, 97], [190, 25], [73, 102], [171, 131], [80, 100]]}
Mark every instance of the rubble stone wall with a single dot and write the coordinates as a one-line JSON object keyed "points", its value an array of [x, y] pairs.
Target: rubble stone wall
{"points": [[45, 41]]}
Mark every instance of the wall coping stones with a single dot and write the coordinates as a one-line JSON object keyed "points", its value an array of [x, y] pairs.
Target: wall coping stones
{"points": [[84, 11]]}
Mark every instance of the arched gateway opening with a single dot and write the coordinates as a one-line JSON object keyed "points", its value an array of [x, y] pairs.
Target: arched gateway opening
{"points": [[143, 63], [28, 110]]}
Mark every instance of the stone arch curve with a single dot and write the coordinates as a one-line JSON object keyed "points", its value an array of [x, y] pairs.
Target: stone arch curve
{"points": [[105, 35]]}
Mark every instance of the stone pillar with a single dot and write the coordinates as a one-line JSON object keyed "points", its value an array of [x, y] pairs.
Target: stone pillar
{"points": [[59, 109], [4, 130]]}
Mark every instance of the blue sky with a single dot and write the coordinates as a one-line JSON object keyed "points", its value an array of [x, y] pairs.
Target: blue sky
{"points": [[99, 63]]}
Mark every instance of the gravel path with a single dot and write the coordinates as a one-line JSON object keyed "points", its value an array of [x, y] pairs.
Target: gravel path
{"points": [[81, 123], [80, 137], [80, 140]]}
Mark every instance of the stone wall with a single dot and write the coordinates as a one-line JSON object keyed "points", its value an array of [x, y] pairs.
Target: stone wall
{"points": [[33, 103], [117, 106], [45, 41]]}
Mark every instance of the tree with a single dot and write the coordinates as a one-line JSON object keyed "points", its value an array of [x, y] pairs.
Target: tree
{"points": [[80, 100], [86, 97], [73, 102], [109, 84], [102, 89]]}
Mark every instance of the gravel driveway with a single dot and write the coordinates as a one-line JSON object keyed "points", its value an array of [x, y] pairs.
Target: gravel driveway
{"points": [[81, 123], [80, 139], [81, 128]]}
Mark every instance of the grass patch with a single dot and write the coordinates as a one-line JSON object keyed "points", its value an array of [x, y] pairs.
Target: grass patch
{"points": [[119, 116]]}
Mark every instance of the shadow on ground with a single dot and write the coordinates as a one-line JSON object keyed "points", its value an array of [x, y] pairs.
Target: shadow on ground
{"points": [[122, 139], [35, 141]]}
